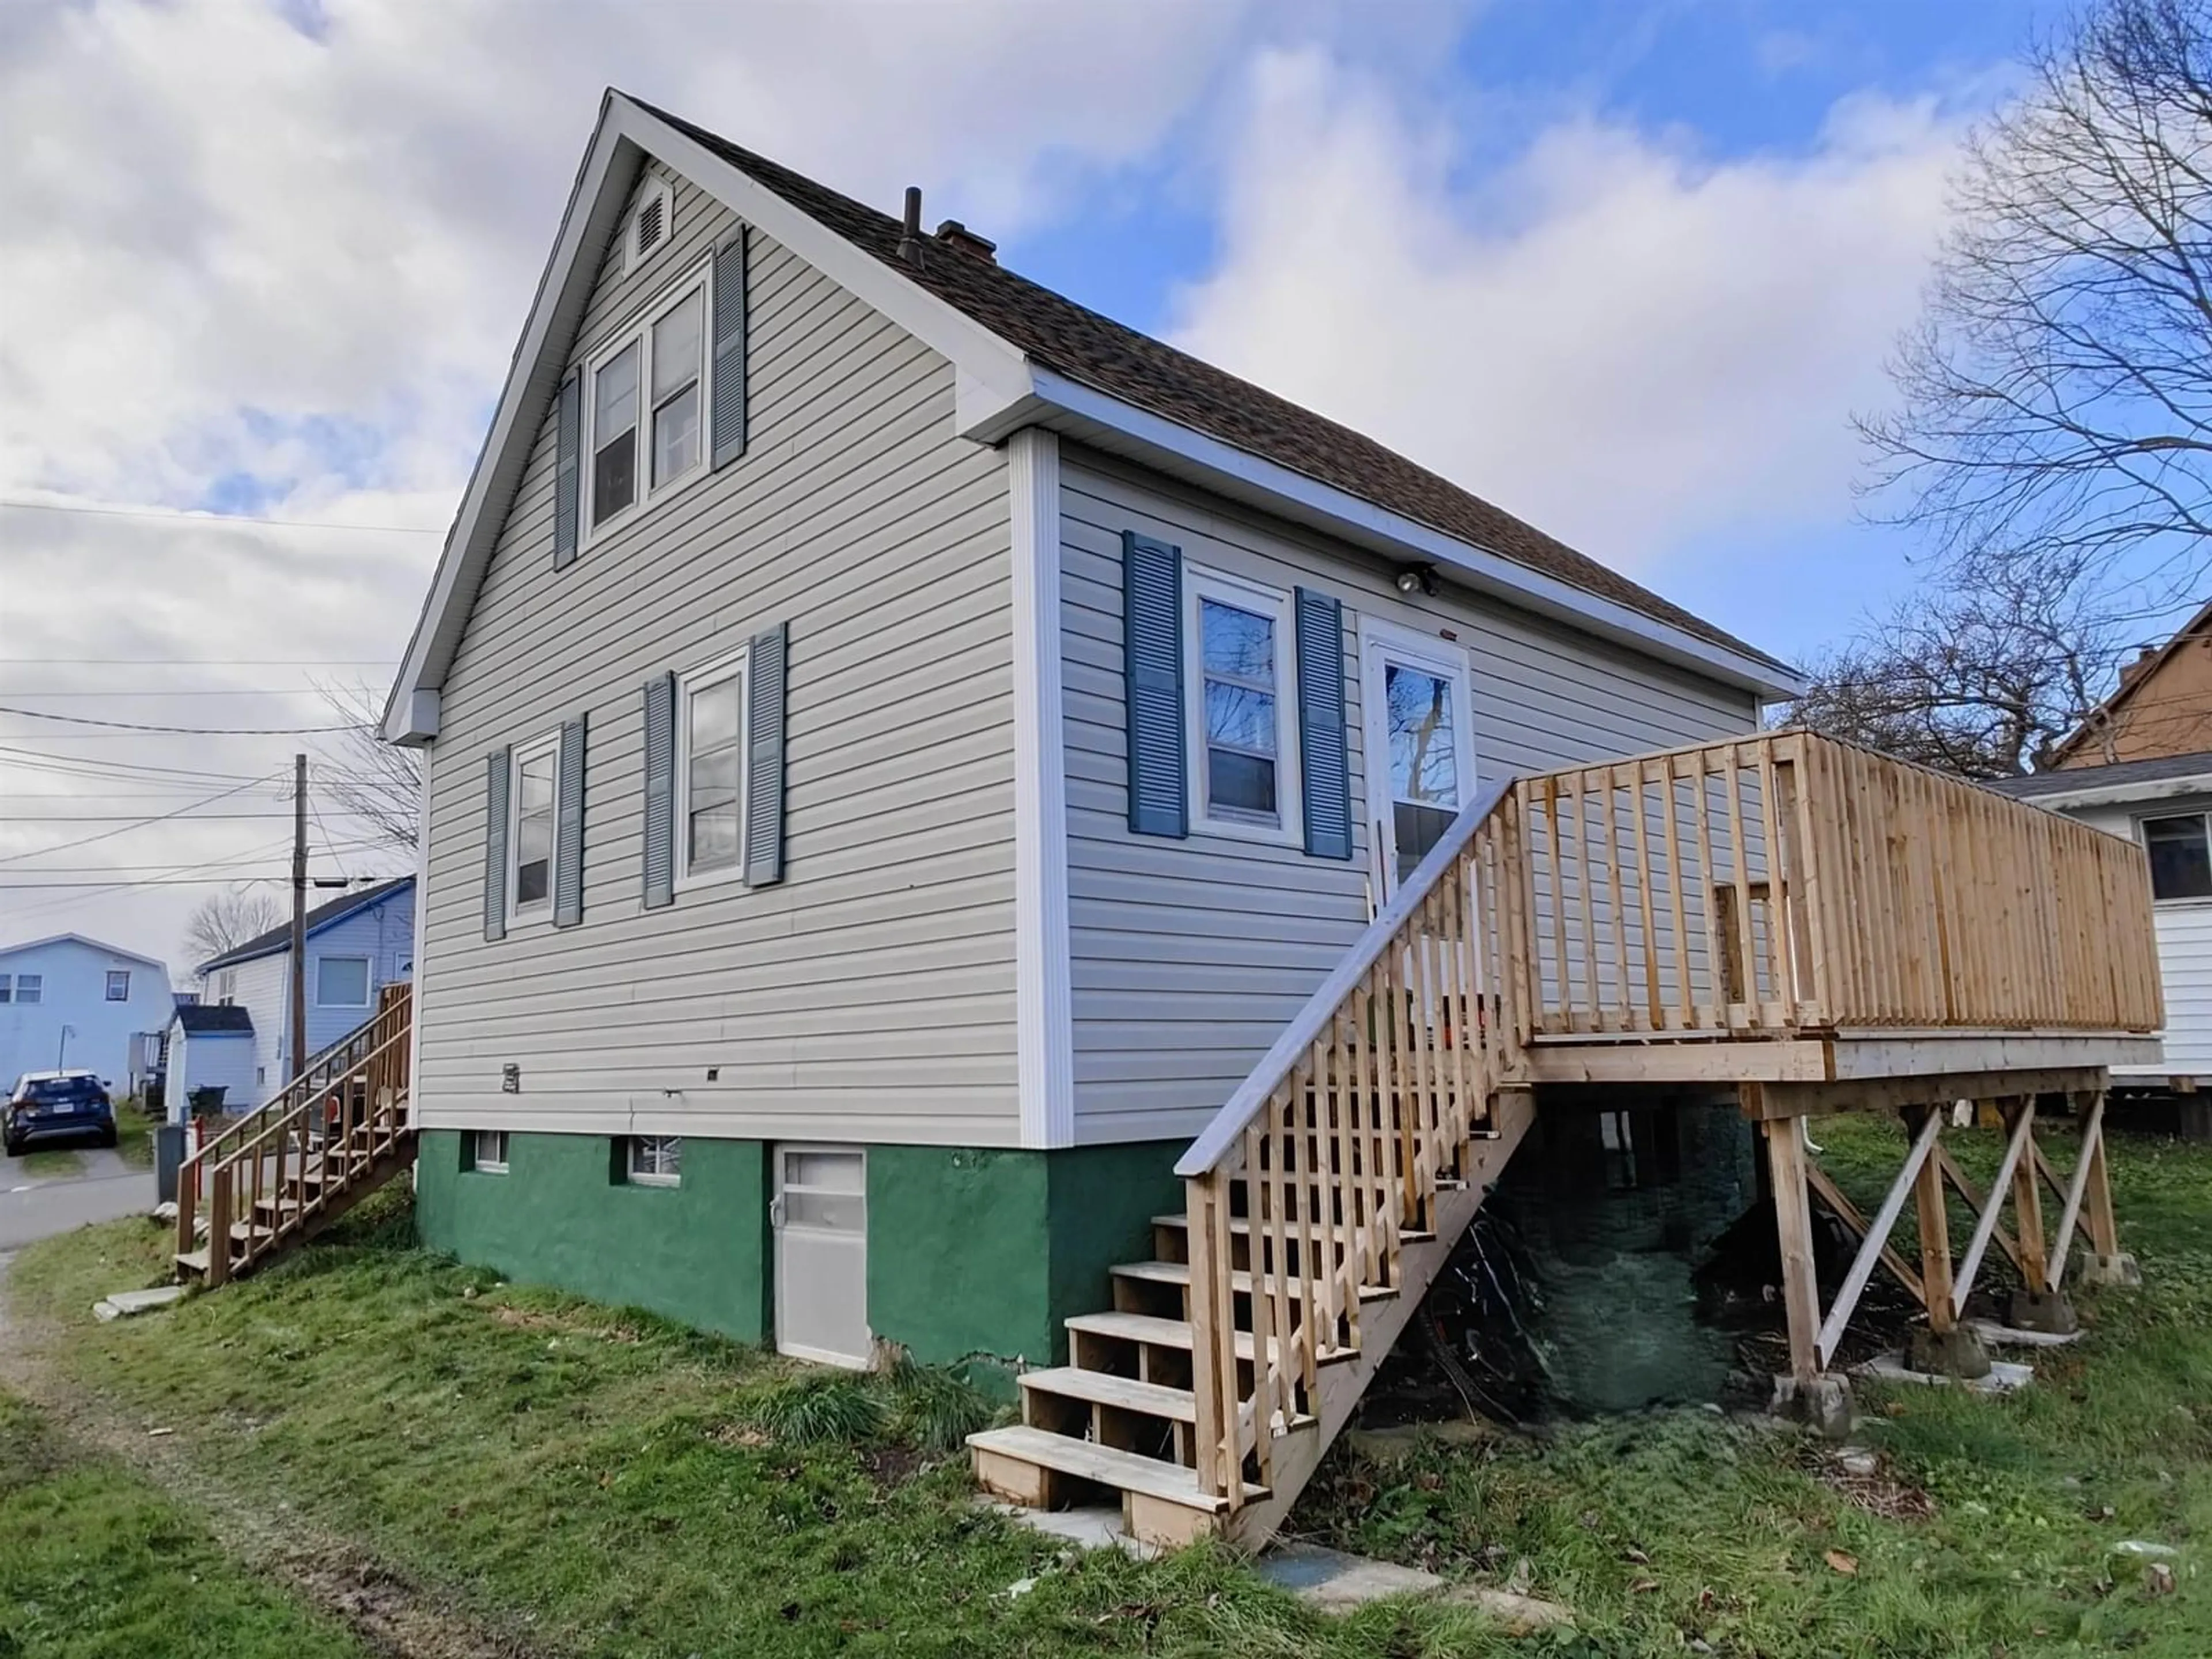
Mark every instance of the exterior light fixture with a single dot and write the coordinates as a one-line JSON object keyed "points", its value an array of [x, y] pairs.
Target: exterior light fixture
{"points": [[1417, 578]]}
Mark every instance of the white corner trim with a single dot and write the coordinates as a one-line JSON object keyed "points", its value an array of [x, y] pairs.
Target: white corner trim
{"points": [[421, 935], [1043, 1001]]}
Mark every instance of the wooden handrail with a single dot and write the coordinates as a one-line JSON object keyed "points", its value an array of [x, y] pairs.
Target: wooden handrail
{"points": [[1758, 888], [359, 1083], [1340, 1140]]}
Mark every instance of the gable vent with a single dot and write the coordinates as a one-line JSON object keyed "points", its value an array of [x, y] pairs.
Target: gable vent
{"points": [[649, 226]]}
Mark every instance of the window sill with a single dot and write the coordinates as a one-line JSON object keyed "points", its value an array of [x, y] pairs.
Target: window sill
{"points": [[664, 1183], [1232, 829], [720, 877], [486, 1170]]}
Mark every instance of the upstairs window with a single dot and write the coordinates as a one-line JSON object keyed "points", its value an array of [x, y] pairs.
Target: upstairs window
{"points": [[530, 837], [226, 988], [2180, 858], [30, 987], [1243, 764], [648, 405], [7, 988], [119, 985]]}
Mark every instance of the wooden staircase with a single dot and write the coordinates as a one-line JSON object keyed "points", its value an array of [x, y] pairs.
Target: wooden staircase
{"points": [[330, 1136], [1323, 1198]]}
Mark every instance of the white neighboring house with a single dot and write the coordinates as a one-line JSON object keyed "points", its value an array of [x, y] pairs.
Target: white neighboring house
{"points": [[2165, 803], [356, 947], [68, 1002], [210, 1048]]}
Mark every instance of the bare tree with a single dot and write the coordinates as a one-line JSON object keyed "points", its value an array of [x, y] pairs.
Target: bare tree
{"points": [[2056, 394], [378, 784], [223, 921], [1980, 678]]}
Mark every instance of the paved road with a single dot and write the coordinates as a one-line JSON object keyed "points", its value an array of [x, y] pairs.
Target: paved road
{"points": [[33, 1209]]}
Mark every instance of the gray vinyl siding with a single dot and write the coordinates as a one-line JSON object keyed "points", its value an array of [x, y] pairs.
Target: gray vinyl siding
{"points": [[1190, 955], [870, 995]]}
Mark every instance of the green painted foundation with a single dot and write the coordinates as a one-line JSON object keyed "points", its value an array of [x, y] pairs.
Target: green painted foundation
{"points": [[697, 1253], [976, 1255]]}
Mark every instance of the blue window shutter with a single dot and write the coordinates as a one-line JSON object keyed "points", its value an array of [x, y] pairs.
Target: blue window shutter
{"points": [[568, 827], [764, 756], [496, 777], [659, 791], [731, 300], [1324, 767], [567, 472], [1152, 665]]}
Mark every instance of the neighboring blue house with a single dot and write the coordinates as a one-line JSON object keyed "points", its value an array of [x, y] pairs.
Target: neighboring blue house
{"points": [[356, 947]]}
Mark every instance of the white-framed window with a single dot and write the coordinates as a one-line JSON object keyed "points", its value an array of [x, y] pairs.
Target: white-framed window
{"points": [[7, 988], [226, 988], [342, 982], [30, 987], [530, 805], [1241, 697], [711, 719], [654, 1160], [645, 405], [2180, 856], [119, 985], [488, 1150]]}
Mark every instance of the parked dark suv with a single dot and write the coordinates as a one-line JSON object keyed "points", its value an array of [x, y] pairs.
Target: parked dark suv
{"points": [[56, 1106]]}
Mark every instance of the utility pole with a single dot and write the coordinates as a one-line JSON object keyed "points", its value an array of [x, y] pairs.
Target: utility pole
{"points": [[298, 915]]}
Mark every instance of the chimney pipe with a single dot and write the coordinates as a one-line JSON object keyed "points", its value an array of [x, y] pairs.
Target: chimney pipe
{"points": [[910, 243], [955, 234]]}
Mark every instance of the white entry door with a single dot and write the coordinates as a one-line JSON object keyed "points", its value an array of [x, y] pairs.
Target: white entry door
{"points": [[1419, 743], [821, 1222]]}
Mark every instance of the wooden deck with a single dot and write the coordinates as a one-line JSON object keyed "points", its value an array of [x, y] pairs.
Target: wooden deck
{"points": [[1805, 926]]}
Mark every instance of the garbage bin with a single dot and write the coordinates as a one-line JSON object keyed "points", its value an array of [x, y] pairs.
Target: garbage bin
{"points": [[207, 1099], [169, 1158]]}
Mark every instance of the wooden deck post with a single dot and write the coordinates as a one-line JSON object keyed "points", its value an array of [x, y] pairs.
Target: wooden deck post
{"points": [[2097, 1198], [1793, 1222], [2027, 1202], [1934, 1235]]}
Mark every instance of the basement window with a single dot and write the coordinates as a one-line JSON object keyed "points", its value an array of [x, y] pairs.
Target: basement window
{"points": [[654, 1160], [2180, 858], [488, 1150]]}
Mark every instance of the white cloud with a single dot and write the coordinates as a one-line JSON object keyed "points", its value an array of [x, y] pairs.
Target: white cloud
{"points": [[273, 256], [1636, 348]]}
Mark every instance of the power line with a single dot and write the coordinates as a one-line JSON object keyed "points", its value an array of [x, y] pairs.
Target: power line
{"points": [[162, 817], [203, 662], [122, 771], [124, 817], [189, 881], [215, 520], [170, 692], [184, 730]]}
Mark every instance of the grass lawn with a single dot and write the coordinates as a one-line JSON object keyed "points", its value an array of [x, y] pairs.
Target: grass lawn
{"points": [[593, 1481], [98, 1564], [50, 1163], [134, 1134]]}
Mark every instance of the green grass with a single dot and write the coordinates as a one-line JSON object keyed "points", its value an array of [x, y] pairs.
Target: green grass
{"points": [[616, 1484], [96, 1563], [1679, 1526], [134, 1134], [50, 1163]]}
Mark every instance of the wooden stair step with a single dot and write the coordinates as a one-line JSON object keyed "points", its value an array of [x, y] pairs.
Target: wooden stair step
{"points": [[1336, 1229], [1175, 1334], [194, 1261], [1178, 1273], [1123, 1393], [1086, 1460]]}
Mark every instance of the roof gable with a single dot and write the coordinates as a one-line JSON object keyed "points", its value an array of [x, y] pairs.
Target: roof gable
{"points": [[1016, 348], [90, 944], [214, 1019], [322, 918], [2101, 719]]}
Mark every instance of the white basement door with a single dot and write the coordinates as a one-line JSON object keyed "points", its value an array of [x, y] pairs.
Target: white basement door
{"points": [[821, 1222]]}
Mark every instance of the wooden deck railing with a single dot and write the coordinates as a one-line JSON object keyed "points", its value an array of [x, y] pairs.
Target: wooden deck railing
{"points": [[273, 1170], [1337, 1143], [1736, 892], [1789, 881]]}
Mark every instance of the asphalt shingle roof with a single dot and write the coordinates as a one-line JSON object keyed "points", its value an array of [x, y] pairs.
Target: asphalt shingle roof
{"points": [[280, 938], [1073, 340], [2072, 778], [212, 1018]]}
